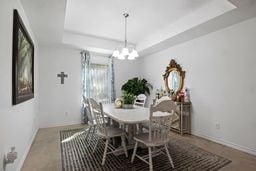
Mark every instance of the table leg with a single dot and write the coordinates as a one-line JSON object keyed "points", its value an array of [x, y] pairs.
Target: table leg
{"points": [[131, 133], [140, 128]]}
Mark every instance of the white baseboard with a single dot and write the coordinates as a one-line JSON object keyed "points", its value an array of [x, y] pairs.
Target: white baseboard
{"points": [[19, 166], [50, 125], [227, 143]]}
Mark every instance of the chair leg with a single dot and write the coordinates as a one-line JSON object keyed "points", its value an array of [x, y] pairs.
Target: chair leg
{"points": [[124, 145], [134, 151], [88, 132], [105, 152], [109, 121], [140, 128], [97, 141], [150, 159], [169, 156], [93, 133]]}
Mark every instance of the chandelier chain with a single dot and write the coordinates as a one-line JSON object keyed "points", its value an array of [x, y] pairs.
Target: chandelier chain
{"points": [[126, 15]]}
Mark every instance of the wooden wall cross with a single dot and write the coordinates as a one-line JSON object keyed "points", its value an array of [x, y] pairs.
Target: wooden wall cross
{"points": [[62, 76]]}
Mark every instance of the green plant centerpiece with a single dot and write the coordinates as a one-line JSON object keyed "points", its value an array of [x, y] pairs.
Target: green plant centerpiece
{"points": [[128, 100], [137, 86]]}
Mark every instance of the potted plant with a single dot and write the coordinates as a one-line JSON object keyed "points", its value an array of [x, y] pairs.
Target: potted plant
{"points": [[137, 86], [128, 100]]}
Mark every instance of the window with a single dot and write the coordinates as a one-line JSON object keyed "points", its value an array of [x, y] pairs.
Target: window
{"points": [[100, 85], [97, 81]]}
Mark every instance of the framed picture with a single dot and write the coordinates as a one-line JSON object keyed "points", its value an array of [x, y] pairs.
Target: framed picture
{"points": [[23, 62]]}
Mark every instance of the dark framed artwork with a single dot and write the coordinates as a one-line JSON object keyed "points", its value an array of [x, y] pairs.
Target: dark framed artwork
{"points": [[23, 62]]}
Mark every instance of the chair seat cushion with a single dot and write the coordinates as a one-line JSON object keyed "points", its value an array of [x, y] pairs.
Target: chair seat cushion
{"points": [[112, 132], [144, 138]]}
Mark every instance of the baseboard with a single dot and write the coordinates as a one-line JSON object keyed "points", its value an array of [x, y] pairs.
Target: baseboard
{"points": [[19, 166], [59, 124], [227, 143]]}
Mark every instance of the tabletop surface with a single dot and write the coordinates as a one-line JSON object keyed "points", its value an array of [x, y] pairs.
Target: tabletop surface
{"points": [[129, 116]]}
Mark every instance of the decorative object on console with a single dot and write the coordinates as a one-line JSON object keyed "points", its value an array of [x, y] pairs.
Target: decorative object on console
{"points": [[160, 93], [187, 95], [125, 51], [180, 97], [23, 62], [137, 86], [174, 79]]}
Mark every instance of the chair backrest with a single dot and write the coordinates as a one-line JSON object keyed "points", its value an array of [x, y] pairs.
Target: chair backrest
{"points": [[140, 100], [160, 121], [98, 114], [163, 99], [94, 104], [88, 108]]}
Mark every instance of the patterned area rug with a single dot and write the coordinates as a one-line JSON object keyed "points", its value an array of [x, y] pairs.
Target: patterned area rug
{"points": [[76, 153]]}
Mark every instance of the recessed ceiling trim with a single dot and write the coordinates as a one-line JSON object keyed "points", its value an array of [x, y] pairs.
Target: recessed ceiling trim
{"points": [[203, 14], [230, 18], [92, 43]]}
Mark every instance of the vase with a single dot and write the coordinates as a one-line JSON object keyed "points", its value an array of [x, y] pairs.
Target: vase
{"points": [[127, 106]]}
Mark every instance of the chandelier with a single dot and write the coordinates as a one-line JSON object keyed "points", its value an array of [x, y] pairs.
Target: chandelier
{"points": [[130, 54]]}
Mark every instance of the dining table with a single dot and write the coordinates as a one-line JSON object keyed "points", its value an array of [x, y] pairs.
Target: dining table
{"points": [[128, 118]]}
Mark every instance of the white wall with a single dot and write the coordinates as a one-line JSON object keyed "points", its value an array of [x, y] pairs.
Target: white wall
{"points": [[125, 70], [19, 123], [220, 71], [60, 103]]}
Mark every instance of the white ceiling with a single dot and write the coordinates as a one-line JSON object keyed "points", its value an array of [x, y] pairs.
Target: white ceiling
{"points": [[47, 19], [103, 18], [98, 25]]}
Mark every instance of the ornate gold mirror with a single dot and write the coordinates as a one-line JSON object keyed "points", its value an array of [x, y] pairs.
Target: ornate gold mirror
{"points": [[174, 78]]}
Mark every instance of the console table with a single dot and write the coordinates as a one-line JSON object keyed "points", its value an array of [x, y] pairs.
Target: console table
{"points": [[182, 121]]}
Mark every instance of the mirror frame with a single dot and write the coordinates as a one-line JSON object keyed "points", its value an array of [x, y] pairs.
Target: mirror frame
{"points": [[174, 66]]}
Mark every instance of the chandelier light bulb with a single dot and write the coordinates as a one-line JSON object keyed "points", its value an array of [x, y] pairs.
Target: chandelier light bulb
{"points": [[134, 53], [121, 56], [131, 57], [125, 52], [115, 54]]}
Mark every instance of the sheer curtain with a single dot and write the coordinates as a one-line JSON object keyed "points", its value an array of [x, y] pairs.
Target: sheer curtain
{"points": [[97, 82], [85, 79], [100, 83]]}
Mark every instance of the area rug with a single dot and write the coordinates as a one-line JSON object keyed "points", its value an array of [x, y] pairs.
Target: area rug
{"points": [[77, 155]]}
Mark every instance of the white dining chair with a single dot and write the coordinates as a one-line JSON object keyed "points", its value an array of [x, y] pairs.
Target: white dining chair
{"points": [[140, 100], [158, 136], [145, 126], [162, 99], [91, 122], [106, 132]]}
